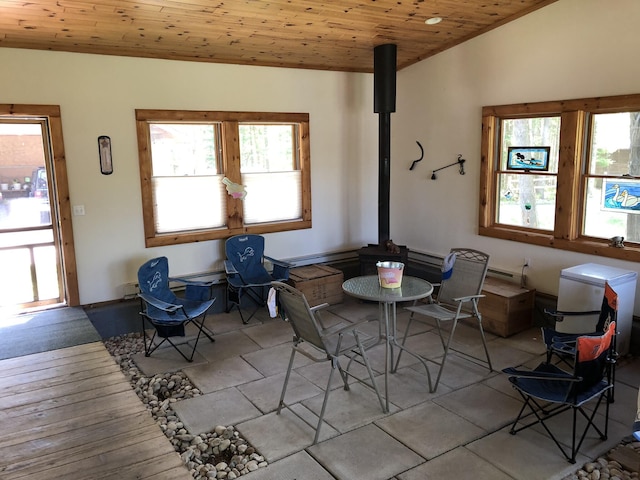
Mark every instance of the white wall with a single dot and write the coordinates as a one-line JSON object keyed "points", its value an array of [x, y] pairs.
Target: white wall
{"points": [[98, 95], [570, 49]]}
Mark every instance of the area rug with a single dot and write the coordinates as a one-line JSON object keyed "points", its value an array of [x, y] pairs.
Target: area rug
{"points": [[38, 332]]}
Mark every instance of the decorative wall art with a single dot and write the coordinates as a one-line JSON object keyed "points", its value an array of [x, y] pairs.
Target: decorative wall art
{"points": [[528, 158], [621, 195], [459, 162], [104, 151], [235, 189]]}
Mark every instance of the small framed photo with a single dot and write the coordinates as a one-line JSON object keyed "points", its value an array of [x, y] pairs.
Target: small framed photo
{"points": [[528, 158]]}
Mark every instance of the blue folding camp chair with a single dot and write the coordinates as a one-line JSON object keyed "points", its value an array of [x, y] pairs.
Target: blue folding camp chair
{"points": [[246, 272], [548, 390], [168, 313], [562, 344]]}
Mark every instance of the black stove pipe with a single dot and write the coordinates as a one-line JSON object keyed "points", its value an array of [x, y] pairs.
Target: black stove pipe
{"points": [[384, 103]]}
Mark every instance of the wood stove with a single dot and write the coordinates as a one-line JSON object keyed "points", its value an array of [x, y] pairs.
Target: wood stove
{"points": [[384, 103]]}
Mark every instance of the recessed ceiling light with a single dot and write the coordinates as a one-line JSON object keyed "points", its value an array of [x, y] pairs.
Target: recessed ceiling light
{"points": [[433, 20]]}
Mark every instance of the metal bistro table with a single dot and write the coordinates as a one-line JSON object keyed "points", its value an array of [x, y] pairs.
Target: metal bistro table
{"points": [[368, 288]]}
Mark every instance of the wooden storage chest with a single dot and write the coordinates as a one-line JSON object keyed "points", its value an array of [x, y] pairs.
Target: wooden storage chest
{"points": [[507, 308], [319, 283]]}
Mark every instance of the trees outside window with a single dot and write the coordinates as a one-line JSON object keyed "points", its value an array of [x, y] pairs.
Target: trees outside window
{"points": [[208, 175], [586, 193]]}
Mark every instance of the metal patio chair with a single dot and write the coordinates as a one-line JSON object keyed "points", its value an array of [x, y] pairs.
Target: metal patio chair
{"points": [[332, 344], [457, 299]]}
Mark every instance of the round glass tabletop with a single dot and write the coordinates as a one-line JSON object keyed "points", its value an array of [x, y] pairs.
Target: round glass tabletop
{"points": [[368, 288]]}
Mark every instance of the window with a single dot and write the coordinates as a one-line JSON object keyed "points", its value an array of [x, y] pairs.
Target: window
{"points": [[563, 174], [208, 175]]}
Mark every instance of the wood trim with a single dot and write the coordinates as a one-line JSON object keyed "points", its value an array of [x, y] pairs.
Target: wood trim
{"points": [[619, 103], [487, 168], [570, 189], [59, 164], [231, 167], [305, 166], [144, 156], [568, 198]]}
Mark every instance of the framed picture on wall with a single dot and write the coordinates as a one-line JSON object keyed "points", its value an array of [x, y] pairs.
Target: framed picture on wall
{"points": [[528, 158]]}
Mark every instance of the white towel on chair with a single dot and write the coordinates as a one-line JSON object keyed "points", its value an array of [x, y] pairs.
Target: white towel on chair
{"points": [[447, 265], [271, 303]]}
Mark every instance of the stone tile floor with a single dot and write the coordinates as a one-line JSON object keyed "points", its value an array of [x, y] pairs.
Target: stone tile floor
{"points": [[460, 431]]}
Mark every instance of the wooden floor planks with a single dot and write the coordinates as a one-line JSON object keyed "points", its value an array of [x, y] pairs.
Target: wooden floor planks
{"points": [[71, 414]]}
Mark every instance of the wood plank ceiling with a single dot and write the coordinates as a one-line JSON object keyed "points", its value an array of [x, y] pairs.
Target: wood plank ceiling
{"points": [[316, 34]]}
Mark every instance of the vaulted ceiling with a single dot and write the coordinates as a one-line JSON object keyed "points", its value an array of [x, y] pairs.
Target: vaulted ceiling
{"points": [[316, 34]]}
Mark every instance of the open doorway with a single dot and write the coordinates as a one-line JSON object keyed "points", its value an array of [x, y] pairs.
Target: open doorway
{"points": [[37, 260]]}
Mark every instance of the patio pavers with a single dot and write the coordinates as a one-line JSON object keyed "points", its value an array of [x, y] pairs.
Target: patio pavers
{"points": [[430, 430], [224, 407], [367, 452], [265, 393], [460, 464], [481, 405], [228, 372], [456, 432], [298, 466], [278, 436]]}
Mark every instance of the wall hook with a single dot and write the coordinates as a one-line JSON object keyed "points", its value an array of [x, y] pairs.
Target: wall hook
{"points": [[459, 162], [421, 156]]}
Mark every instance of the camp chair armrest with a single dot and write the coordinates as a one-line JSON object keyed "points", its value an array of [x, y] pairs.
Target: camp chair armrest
{"points": [[319, 307], [468, 298], [191, 282], [167, 307], [280, 268], [566, 339], [229, 268], [560, 314], [564, 347], [281, 263], [565, 377], [339, 329]]}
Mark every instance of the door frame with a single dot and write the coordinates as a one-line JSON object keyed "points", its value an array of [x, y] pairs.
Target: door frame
{"points": [[61, 211]]}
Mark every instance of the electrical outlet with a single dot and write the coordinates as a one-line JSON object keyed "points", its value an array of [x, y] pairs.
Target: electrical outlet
{"points": [[527, 262]]}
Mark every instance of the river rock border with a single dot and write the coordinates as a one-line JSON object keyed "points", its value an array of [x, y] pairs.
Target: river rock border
{"points": [[220, 454]]}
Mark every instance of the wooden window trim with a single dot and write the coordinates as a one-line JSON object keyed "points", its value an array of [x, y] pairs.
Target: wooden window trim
{"points": [[59, 165], [570, 191], [231, 166]]}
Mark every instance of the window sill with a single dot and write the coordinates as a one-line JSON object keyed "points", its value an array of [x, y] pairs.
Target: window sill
{"points": [[589, 246]]}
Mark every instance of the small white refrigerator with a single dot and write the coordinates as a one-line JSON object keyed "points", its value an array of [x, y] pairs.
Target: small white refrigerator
{"points": [[582, 288]]}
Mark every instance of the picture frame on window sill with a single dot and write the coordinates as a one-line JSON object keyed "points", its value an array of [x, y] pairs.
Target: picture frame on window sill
{"points": [[104, 152], [528, 158]]}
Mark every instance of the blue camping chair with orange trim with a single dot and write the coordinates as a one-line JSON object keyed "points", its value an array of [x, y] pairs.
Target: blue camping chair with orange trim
{"points": [[548, 390], [561, 344], [168, 313], [247, 276]]}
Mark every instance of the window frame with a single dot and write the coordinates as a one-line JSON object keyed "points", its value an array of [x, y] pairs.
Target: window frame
{"points": [[572, 160], [231, 167]]}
